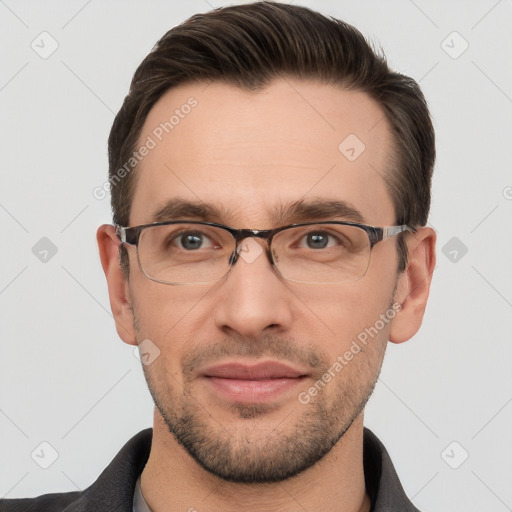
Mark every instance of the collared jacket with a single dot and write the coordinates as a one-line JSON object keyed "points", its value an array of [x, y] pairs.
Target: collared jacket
{"points": [[113, 491]]}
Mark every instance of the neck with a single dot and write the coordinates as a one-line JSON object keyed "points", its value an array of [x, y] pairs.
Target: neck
{"points": [[172, 480]]}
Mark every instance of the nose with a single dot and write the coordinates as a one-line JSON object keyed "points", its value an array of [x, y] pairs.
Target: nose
{"points": [[253, 298]]}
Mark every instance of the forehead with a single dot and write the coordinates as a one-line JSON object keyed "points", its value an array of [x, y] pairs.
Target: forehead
{"points": [[252, 152]]}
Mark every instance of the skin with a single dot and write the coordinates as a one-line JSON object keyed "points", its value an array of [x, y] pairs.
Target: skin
{"points": [[249, 152]]}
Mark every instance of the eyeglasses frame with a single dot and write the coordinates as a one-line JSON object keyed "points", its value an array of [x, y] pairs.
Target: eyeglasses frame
{"points": [[131, 236]]}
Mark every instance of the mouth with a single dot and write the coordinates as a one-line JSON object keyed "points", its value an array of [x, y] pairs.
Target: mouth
{"points": [[253, 383]]}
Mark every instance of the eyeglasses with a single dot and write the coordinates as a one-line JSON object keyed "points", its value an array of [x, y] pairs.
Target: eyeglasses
{"points": [[192, 252]]}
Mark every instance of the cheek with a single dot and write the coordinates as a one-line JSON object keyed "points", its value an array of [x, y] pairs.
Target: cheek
{"points": [[171, 319], [163, 311], [339, 315]]}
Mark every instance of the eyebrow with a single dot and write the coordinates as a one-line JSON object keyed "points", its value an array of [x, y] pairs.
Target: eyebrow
{"points": [[295, 212]]}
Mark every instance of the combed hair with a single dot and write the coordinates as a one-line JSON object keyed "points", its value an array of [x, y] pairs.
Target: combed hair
{"points": [[249, 46]]}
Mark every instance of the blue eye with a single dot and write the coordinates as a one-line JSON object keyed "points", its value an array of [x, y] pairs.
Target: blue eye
{"points": [[192, 240], [317, 240]]}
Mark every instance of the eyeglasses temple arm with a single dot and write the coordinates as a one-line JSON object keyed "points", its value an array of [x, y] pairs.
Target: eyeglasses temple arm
{"points": [[395, 230], [121, 233]]}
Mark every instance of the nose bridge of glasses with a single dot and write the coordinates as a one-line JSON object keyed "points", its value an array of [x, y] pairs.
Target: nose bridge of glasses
{"points": [[243, 246], [242, 234]]}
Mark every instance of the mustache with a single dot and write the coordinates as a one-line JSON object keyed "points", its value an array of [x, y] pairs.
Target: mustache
{"points": [[271, 346]]}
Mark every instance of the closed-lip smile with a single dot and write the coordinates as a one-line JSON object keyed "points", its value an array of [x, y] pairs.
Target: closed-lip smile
{"points": [[249, 382]]}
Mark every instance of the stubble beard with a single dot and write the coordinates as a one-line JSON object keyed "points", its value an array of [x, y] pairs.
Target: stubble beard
{"points": [[250, 454]]}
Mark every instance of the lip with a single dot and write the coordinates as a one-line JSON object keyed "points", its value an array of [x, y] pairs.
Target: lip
{"points": [[252, 383], [259, 371]]}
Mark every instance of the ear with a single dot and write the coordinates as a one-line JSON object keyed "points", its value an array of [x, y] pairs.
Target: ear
{"points": [[414, 284], [118, 287]]}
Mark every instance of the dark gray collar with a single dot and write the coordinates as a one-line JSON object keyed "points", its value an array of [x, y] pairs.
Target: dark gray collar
{"points": [[114, 488], [382, 482]]}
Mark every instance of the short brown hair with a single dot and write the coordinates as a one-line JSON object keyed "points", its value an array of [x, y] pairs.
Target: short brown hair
{"points": [[248, 46]]}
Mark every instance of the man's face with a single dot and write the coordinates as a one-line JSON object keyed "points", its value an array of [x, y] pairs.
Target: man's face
{"points": [[250, 155]]}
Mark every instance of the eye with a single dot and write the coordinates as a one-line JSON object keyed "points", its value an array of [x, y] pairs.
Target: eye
{"points": [[318, 240], [192, 240]]}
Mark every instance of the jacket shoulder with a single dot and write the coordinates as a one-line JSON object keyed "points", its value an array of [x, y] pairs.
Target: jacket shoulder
{"points": [[56, 502], [111, 492]]}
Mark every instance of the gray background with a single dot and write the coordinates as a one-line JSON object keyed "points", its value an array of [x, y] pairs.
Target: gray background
{"points": [[65, 377]]}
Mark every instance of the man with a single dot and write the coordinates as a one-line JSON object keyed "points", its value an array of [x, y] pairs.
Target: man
{"points": [[270, 181]]}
